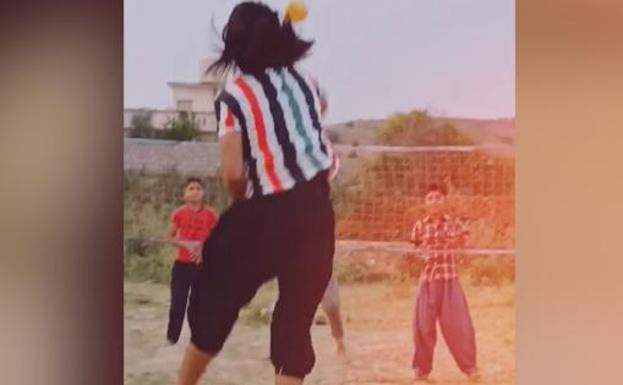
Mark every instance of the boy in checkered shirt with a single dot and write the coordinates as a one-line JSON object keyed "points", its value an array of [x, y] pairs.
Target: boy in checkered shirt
{"points": [[440, 295]]}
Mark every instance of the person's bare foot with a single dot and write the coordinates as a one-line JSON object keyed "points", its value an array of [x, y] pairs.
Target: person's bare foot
{"points": [[419, 377], [341, 351], [474, 376], [340, 346]]}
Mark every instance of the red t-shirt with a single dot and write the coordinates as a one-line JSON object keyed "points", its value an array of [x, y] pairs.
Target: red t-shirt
{"points": [[193, 225]]}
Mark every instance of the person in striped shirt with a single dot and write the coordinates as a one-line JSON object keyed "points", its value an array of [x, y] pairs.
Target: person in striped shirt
{"points": [[440, 295], [275, 162]]}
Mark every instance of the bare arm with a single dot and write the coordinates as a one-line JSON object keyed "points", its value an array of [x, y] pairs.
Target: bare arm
{"points": [[194, 247], [232, 166], [171, 235]]}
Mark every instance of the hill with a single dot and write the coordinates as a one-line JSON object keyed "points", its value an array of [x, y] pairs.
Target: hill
{"points": [[483, 131]]}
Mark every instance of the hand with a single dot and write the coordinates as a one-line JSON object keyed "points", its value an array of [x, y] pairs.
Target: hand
{"points": [[195, 254], [194, 248]]}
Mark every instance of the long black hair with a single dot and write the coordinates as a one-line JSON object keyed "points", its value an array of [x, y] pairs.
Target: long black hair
{"points": [[255, 39]]}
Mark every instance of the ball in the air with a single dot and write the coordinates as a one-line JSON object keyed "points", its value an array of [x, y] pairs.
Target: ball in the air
{"points": [[296, 11]]}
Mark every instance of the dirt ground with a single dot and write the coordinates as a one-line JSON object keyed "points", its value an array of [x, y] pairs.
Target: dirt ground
{"points": [[378, 333]]}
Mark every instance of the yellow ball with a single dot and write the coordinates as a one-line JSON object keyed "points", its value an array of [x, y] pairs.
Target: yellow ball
{"points": [[296, 11]]}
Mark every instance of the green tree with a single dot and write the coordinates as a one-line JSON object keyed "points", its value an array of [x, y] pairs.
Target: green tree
{"points": [[182, 128], [418, 128], [141, 126]]}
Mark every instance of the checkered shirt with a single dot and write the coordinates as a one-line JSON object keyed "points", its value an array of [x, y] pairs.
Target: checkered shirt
{"points": [[437, 236]]}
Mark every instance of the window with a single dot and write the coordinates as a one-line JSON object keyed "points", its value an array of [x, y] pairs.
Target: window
{"points": [[184, 105]]}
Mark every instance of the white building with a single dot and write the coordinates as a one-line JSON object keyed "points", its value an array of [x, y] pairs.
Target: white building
{"points": [[194, 97]]}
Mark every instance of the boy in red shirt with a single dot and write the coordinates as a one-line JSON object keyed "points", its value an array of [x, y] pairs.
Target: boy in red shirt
{"points": [[190, 225], [440, 295]]}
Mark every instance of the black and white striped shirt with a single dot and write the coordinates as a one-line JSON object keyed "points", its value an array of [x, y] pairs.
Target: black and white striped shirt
{"points": [[278, 115]]}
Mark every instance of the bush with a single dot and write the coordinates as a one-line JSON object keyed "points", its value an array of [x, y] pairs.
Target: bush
{"points": [[142, 127], [184, 127], [418, 128], [140, 247], [155, 267], [334, 136]]}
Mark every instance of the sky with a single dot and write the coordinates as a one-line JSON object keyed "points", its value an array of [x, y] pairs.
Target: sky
{"points": [[373, 57]]}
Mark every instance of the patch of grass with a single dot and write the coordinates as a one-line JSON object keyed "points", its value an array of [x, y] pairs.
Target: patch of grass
{"points": [[371, 267], [155, 267], [490, 271], [365, 269]]}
